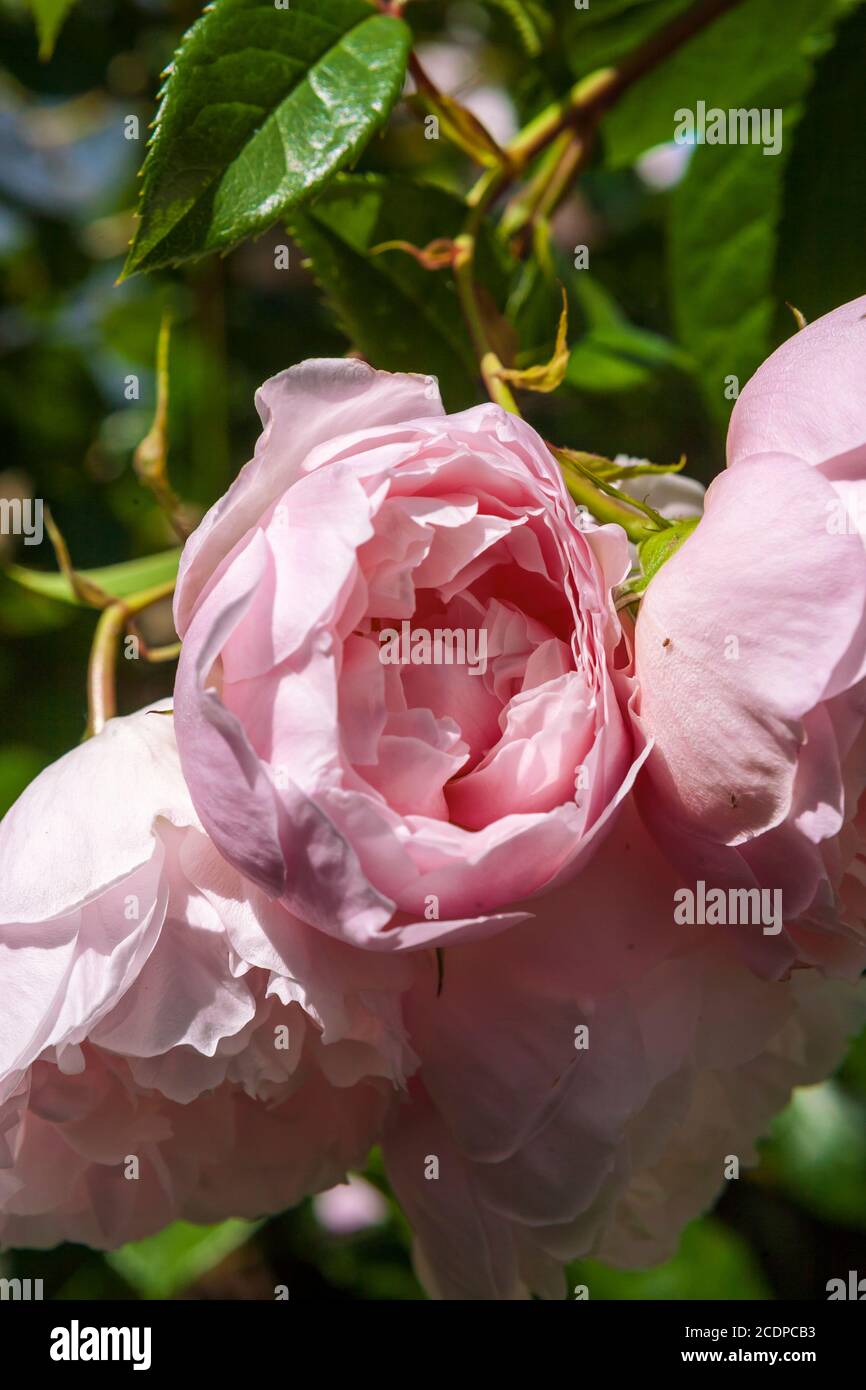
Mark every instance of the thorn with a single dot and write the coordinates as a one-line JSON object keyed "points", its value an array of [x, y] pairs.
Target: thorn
{"points": [[799, 318]]}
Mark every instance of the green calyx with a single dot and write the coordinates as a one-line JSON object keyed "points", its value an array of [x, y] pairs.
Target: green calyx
{"points": [[657, 549]]}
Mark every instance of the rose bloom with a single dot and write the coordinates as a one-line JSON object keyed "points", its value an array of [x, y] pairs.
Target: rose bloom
{"points": [[569, 1072], [399, 805], [172, 1044], [751, 649]]}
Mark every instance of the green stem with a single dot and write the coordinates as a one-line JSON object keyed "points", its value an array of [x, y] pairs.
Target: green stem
{"points": [[526, 205], [577, 116], [589, 99], [603, 507], [101, 693], [485, 192], [464, 260]]}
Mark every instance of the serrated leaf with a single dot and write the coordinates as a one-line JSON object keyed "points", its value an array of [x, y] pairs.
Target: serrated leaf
{"points": [[611, 471], [49, 16], [130, 577], [399, 315], [262, 105]]}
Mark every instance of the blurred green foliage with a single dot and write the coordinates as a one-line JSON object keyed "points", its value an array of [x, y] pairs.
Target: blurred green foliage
{"points": [[688, 282]]}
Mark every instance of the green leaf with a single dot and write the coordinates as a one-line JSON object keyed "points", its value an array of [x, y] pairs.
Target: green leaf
{"points": [[462, 128], [820, 263], [131, 577], [535, 293], [817, 1154], [402, 317], [603, 34], [49, 16], [261, 107], [25, 614], [610, 472], [615, 355], [529, 20], [162, 1265], [610, 354], [712, 1262], [724, 216], [612, 360], [728, 64]]}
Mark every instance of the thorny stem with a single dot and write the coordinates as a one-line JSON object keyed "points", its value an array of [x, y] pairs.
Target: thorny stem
{"points": [[573, 122], [101, 696], [593, 96]]}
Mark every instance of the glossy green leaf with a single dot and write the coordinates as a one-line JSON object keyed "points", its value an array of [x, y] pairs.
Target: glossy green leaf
{"points": [[49, 16], [399, 315], [163, 1265], [131, 577], [262, 105]]}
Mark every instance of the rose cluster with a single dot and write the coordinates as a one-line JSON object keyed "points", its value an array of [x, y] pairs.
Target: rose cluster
{"points": [[322, 900]]}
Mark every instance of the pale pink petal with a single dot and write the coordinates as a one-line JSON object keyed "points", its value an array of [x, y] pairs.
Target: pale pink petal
{"points": [[808, 400], [300, 408], [721, 639]]}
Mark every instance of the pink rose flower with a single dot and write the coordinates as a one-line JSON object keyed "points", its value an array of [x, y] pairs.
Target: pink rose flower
{"points": [[573, 1075], [586, 1077], [391, 795], [172, 1044], [751, 654], [583, 1105]]}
